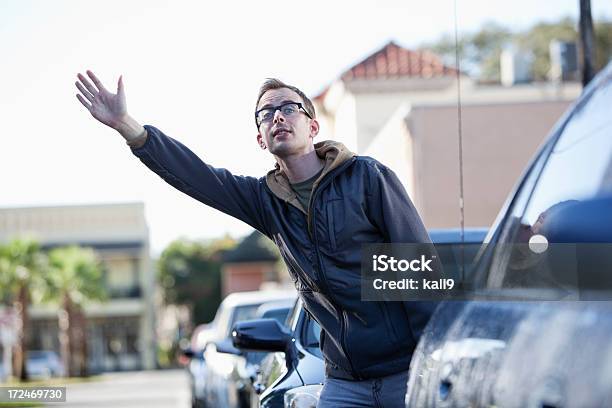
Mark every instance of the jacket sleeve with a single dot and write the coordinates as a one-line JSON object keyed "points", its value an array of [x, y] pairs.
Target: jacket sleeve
{"points": [[392, 211], [237, 196]]}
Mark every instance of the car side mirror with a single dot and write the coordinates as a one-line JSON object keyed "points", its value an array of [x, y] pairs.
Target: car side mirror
{"points": [[586, 229], [581, 221], [225, 346], [261, 335], [190, 353]]}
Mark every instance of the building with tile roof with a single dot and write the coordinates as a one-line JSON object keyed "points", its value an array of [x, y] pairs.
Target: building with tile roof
{"points": [[394, 62], [401, 107]]}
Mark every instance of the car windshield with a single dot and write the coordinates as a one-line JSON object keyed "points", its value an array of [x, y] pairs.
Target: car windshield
{"points": [[241, 313], [576, 169], [293, 315]]}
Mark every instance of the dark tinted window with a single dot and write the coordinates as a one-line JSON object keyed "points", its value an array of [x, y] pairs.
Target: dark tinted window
{"points": [[577, 170], [310, 337], [451, 256]]}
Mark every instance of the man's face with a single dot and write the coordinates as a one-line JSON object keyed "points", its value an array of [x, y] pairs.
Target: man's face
{"points": [[284, 135]]}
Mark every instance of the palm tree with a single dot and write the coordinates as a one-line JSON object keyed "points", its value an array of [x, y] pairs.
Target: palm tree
{"points": [[22, 265], [75, 278]]}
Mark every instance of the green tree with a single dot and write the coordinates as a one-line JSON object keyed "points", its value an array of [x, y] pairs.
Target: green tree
{"points": [[190, 274], [480, 51], [603, 43], [537, 40], [75, 278], [487, 45], [22, 265]]}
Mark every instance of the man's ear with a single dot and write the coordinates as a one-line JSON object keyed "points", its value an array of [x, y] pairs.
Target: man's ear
{"points": [[261, 142], [314, 128]]}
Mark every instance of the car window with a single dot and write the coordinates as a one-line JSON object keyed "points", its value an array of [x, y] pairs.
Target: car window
{"points": [[451, 254], [241, 313], [279, 314], [577, 168], [293, 315], [310, 336], [580, 165]]}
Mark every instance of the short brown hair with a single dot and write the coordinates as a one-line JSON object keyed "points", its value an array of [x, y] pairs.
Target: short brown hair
{"points": [[273, 83]]}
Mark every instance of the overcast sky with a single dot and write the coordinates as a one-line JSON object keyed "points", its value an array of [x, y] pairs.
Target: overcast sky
{"points": [[192, 69]]}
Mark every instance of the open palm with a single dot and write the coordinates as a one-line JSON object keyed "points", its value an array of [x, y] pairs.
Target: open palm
{"points": [[103, 105]]}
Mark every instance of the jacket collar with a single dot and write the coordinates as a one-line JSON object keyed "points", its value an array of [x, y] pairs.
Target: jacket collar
{"points": [[334, 154]]}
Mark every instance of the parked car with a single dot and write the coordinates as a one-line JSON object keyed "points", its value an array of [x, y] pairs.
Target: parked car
{"points": [[533, 334], [292, 376], [44, 364], [196, 367], [227, 371]]}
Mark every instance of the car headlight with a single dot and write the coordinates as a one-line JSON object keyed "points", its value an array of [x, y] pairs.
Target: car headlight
{"points": [[303, 397]]}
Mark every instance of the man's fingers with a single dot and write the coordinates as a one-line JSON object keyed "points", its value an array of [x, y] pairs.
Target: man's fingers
{"points": [[88, 85], [84, 102], [120, 88], [96, 81], [84, 91]]}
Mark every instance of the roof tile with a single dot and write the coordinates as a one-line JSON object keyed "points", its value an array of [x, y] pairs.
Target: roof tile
{"points": [[393, 61]]}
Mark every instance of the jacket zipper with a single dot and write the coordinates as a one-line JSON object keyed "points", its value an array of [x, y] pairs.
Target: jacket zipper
{"points": [[290, 258], [321, 274]]}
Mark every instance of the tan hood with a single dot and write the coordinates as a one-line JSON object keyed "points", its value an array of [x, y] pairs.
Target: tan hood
{"points": [[334, 154]]}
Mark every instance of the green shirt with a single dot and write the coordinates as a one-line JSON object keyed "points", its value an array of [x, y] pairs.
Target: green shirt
{"points": [[303, 189]]}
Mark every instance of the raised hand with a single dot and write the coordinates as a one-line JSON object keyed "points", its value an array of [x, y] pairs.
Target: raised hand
{"points": [[106, 107]]}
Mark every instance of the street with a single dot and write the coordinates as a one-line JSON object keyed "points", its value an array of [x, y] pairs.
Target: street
{"points": [[164, 388]]}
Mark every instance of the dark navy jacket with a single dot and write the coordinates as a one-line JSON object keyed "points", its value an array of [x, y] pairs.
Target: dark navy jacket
{"points": [[356, 201]]}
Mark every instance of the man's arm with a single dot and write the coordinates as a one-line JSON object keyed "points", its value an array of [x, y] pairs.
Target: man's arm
{"points": [[392, 210], [237, 196]]}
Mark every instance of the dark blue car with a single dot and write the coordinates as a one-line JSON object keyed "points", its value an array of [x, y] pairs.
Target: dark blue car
{"points": [[536, 331]]}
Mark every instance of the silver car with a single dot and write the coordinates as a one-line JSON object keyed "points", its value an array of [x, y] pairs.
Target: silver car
{"points": [[221, 366]]}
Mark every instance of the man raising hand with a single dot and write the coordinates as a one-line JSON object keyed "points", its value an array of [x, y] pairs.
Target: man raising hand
{"points": [[320, 204]]}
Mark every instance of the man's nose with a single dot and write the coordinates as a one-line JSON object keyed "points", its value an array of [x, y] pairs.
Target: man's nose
{"points": [[278, 116]]}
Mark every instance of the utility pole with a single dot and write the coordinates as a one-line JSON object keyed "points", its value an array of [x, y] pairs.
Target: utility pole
{"points": [[587, 42]]}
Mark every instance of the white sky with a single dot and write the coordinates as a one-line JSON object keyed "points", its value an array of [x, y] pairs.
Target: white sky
{"points": [[192, 69]]}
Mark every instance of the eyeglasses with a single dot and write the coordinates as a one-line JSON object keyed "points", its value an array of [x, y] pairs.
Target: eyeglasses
{"points": [[266, 115]]}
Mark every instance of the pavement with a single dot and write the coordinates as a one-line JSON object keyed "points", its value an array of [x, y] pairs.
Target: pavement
{"points": [[151, 389]]}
